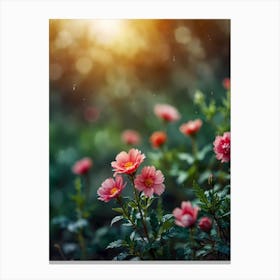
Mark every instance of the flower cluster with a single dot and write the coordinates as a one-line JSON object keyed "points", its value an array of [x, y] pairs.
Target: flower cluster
{"points": [[149, 181], [202, 223]]}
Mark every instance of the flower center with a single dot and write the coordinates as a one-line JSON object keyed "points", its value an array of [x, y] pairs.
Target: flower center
{"points": [[114, 190], [149, 182], [128, 164]]}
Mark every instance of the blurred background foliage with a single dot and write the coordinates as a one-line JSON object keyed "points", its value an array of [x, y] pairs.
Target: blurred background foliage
{"points": [[105, 76]]}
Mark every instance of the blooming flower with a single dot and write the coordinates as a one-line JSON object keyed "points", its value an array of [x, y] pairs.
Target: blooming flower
{"points": [[111, 188], [186, 215], [82, 166], [158, 138], [191, 128], [222, 147], [150, 181], [166, 112], [226, 83], [127, 163], [205, 224], [130, 137]]}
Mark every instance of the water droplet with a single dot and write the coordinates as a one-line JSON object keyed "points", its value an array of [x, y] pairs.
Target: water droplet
{"points": [[74, 87], [173, 58]]}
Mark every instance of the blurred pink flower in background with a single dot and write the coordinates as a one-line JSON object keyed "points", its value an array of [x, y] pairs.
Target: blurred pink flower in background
{"points": [[205, 224], [82, 166], [191, 127], [186, 215], [111, 188], [166, 112], [226, 83], [222, 147], [158, 138], [150, 181], [130, 137], [127, 163], [91, 113]]}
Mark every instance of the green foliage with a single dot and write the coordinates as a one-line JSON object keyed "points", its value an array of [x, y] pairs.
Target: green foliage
{"points": [[116, 219], [117, 244]]}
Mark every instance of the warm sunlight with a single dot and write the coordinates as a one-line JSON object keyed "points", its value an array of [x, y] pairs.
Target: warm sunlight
{"points": [[107, 31]]}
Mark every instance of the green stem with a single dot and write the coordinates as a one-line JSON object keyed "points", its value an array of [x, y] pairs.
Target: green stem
{"points": [[119, 199], [82, 245], [192, 242], [141, 215]]}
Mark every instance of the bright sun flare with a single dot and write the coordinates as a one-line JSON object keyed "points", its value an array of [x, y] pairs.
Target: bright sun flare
{"points": [[107, 31]]}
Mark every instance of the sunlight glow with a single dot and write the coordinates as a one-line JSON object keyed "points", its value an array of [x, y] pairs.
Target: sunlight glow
{"points": [[107, 31]]}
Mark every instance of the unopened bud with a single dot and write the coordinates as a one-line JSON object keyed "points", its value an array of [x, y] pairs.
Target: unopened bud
{"points": [[211, 180]]}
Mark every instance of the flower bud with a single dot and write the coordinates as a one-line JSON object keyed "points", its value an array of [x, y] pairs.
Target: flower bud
{"points": [[205, 224]]}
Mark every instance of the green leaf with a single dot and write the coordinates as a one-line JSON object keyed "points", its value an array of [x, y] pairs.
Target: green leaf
{"points": [[121, 256], [166, 217], [127, 224], [132, 235], [201, 154], [154, 222], [132, 204], [183, 176], [117, 244], [116, 219], [186, 157], [199, 192], [118, 210]]}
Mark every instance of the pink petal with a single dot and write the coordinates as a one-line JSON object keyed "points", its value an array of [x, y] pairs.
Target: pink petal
{"points": [[159, 188], [177, 213]]}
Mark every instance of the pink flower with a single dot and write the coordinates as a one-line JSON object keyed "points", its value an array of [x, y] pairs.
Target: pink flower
{"points": [[150, 181], [186, 215], [166, 112], [222, 147], [191, 128], [205, 224], [131, 137], [111, 188], [127, 163], [158, 138], [226, 83], [82, 166]]}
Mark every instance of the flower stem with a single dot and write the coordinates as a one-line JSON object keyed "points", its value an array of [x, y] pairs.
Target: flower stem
{"points": [[82, 245], [119, 200], [141, 215], [192, 242]]}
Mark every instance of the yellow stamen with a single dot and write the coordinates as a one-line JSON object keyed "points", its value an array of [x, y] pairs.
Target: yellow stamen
{"points": [[128, 164], [149, 182], [114, 191]]}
